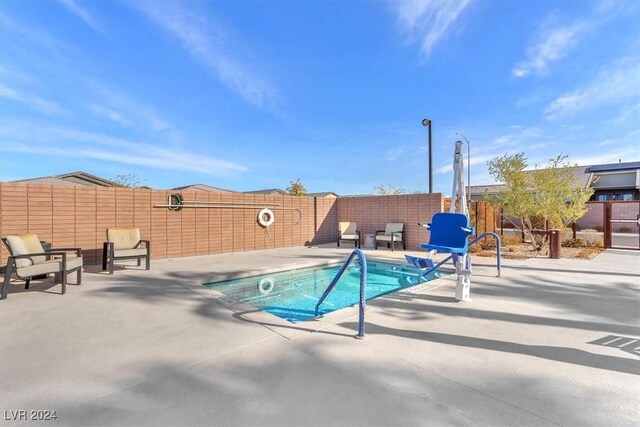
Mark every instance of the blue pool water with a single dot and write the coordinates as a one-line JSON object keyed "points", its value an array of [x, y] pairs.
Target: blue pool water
{"points": [[293, 294]]}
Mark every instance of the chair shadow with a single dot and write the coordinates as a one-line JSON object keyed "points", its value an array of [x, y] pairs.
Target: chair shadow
{"points": [[559, 354]]}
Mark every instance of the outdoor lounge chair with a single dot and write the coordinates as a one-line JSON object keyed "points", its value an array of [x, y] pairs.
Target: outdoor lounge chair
{"points": [[125, 243], [27, 258], [348, 231], [393, 232]]}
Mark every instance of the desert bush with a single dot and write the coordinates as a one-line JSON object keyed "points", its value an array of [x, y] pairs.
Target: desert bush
{"points": [[574, 243], [475, 248], [539, 241], [508, 240], [624, 229], [597, 228], [592, 238], [488, 244], [567, 234]]}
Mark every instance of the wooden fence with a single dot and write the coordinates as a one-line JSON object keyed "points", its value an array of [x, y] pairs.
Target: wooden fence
{"points": [[77, 216]]}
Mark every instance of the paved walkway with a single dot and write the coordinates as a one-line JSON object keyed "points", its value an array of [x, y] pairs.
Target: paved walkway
{"points": [[551, 342]]}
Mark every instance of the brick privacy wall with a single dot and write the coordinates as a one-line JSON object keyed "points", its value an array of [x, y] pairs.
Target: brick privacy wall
{"points": [[78, 216], [372, 213]]}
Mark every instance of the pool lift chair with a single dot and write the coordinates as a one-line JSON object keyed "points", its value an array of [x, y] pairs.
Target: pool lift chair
{"points": [[449, 233]]}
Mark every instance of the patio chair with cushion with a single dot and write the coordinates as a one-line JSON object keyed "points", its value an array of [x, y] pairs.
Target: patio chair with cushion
{"points": [[27, 258], [393, 232], [122, 244], [348, 231]]}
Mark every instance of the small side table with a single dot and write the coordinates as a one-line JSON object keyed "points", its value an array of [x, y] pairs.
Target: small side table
{"points": [[369, 241]]}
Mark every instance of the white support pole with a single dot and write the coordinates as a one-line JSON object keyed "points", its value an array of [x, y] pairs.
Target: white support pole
{"points": [[459, 198]]}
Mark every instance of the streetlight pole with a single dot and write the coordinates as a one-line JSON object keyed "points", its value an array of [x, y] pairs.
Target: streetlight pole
{"points": [[427, 122], [468, 165]]}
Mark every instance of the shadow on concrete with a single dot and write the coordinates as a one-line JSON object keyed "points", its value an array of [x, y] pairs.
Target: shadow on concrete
{"points": [[558, 354], [626, 344], [559, 270], [45, 286], [466, 311], [301, 386], [617, 301], [276, 326]]}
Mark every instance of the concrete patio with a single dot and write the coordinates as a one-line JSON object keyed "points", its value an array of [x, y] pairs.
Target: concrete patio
{"points": [[551, 342]]}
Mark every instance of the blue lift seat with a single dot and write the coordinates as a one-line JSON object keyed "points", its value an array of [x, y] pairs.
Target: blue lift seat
{"points": [[449, 233]]}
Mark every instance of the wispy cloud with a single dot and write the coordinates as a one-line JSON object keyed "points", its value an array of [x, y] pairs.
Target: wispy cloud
{"points": [[428, 22], [206, 44], [35, 102], [110, 114], [628, 114], [28, 137], [519, 136], [394, 154], [613, 154], [82, 13], [122, 109], [617, 83], [553, 44], [475, 160]]}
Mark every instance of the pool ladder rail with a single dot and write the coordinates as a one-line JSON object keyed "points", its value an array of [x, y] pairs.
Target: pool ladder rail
{"points": [[363, 284]]}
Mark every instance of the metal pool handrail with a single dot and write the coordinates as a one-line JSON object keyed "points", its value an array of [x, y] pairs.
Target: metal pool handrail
{"points": [[498, 247], [363, 284], [425, 273]]}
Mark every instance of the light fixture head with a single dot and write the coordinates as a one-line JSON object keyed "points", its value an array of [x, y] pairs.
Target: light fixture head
{"points": [[426, 122]]}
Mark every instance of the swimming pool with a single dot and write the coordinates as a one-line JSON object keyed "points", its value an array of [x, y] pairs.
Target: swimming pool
{"points": [[293, 295]]}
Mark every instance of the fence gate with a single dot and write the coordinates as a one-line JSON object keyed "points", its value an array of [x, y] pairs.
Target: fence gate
{"points": [[622, 224]]}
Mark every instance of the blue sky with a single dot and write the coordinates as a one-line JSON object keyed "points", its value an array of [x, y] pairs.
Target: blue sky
{"points": [[253, 94]]}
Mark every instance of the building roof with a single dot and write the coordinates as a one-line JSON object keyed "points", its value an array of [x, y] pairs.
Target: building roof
{"points": [[268, 191], [203, 187], [71, 178], [614, 167], [582, 180], [323, 194]]}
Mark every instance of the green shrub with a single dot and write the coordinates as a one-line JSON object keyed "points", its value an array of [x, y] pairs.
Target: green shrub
{"points": [[597, 228]]}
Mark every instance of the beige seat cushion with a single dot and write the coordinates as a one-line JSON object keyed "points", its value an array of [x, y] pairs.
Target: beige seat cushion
{"points": [[23, 244], [130, 252], [393, 227], [123, 238], [347, 228], [49, 266], [349, 237], [395, 238]]}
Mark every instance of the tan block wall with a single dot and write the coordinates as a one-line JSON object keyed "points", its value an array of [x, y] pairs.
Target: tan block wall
{"points": [[372, 213], [78, 216]]}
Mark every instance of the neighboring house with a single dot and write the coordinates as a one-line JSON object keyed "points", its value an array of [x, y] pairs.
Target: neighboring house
{"points": [[203, 187], [617, 181], [269, 192], [324, 194], [73, 178]]}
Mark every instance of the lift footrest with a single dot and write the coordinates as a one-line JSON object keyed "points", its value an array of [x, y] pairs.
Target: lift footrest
{"points": [[421, 263]]}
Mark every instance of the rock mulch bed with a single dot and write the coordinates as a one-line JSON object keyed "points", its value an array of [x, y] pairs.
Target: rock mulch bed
{"points": [[525, 250]]}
